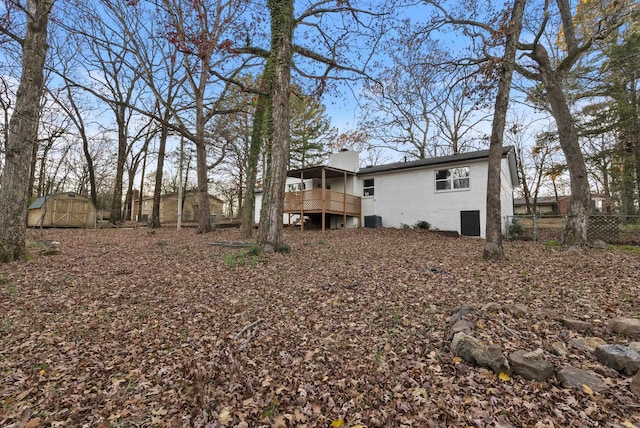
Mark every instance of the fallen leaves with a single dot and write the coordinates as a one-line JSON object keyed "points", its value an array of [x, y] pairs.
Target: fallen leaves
{"points": [[349, 333]]}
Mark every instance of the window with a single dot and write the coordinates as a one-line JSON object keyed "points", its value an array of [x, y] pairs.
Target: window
{"points": [[452, 178], [367, 189], [295, 187]]}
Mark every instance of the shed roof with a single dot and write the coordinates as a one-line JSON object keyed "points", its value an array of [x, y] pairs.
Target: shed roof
{"points": [[39, 202]]}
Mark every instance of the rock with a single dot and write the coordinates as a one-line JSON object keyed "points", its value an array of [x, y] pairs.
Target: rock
{"points": [[619, 358], [462, 344], [492, 307], [471, 350], [461, 326], [516, 310], [586, 343], [627, 326], [559, 348], [530, 368], [534, 355], [571, 377], [459, 313], [635, 346], [577, 325], [635, 385], [462, 310], [496, 361], [600, 244]]}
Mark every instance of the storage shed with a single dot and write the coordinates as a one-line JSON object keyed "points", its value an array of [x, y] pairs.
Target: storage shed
{"points": [[62, 210]]}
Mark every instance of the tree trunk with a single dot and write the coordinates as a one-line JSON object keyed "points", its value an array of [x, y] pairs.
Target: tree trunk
{"points": [[204, 217], [260, 116], [23, 133], [115, 216], [575, 229], [282, 23], [157, 190], [493, 249]]}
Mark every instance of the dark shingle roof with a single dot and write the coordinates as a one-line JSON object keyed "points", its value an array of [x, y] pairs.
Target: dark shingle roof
{"points": [[460, 157]]}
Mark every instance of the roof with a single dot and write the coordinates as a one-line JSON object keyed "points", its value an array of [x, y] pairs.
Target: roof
{"points": [[172, 194], [316, 172], [442, 160], [39, 202], [542, 200]]}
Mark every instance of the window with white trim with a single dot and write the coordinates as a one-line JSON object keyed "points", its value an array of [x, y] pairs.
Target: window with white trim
{"points": [[368, 187], [452, 178]]}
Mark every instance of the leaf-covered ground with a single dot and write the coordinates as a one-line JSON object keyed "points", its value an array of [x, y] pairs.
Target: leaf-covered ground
{"points": [[129, 328]]}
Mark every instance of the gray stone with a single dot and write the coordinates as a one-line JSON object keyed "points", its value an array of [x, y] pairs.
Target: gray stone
{"points": [[530, 368], [461, 326], [534, 355], [627, 326], [577, 325], [459, 313], [462, 344], [492, 307], [586, 343], [559, 348], [600, 244], [635, 346], [516, 310], [635, 385], [619, 358], [571, 377], [462, 310], [471, 350], [496, 360]]}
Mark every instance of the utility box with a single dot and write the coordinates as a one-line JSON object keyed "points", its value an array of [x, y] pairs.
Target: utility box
{"points": [[372, 221]]}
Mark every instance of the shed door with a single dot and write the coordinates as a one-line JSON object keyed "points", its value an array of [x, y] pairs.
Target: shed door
{"points": [[470, 223], [61, 209]]}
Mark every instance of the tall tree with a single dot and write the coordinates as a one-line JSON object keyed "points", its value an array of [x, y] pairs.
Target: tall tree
{"points": [[282, 26], [311, 131], [423, 104], [258, 134], [493, 245], [552, 72], [321, 66], [23, 130]]}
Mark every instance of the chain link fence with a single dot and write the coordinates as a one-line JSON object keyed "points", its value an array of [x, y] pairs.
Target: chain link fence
{"points": [[612, 229]]}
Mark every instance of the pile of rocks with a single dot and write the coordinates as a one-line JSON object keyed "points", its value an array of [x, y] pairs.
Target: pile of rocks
{"points": [[532, 365]]}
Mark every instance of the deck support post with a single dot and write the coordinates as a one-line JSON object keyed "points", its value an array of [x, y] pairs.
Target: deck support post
{"points": [[301, 219], [323, 199]]}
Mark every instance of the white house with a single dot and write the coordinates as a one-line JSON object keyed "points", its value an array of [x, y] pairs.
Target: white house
{"points": [[449, 192]]}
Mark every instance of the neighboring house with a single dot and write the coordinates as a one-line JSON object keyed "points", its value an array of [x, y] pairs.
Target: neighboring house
{"points": [[169, 208], [550, 205], [62, 210], [448, 192], [544, 205]]}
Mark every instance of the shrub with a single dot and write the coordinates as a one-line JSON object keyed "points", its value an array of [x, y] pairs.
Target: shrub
{"points": [[515, 230], [422, 224]]}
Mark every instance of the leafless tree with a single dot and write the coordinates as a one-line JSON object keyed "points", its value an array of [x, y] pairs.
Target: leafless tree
{"points": [[23, 126]]}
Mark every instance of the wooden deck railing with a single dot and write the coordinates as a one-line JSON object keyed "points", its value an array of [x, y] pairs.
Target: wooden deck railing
{"points": [[311, 201]]}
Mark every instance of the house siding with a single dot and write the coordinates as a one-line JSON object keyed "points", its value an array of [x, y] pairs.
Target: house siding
{"points": [[409, 196], [405, 193], [406, 197]]}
